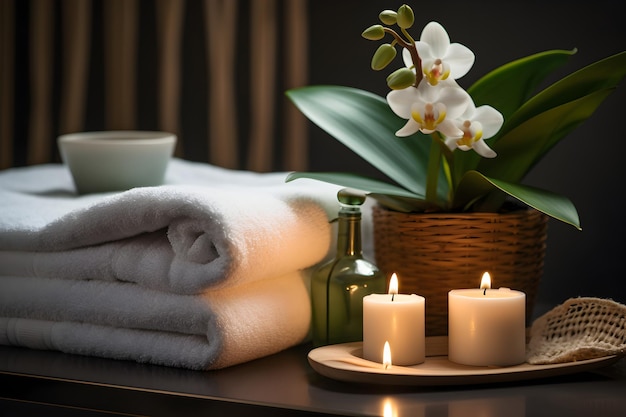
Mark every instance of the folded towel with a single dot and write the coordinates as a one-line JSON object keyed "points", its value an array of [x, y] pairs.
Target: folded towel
{"points": [[206, 228], [219, 328]]}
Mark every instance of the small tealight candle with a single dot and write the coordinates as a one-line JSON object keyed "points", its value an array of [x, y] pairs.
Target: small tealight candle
{"points": [[398, 319], [486, 327]]}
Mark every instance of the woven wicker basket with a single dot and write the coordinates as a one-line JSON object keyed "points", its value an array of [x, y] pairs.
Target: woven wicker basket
{"points": [[433, 253]]}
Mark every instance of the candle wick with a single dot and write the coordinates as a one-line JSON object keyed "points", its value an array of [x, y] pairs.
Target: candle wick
{"points": [[392, 295], [485, 291]]}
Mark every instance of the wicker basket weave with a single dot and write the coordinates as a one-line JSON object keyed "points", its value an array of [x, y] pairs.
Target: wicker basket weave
{"points": [[433, 253]]}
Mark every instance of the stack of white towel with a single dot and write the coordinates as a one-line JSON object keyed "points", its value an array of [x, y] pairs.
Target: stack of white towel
{"points": [[207, 271]]}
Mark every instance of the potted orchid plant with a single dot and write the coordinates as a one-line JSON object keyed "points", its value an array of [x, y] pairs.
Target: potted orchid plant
{"points": [[447, 149]]}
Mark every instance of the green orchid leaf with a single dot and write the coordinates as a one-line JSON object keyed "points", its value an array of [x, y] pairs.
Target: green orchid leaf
{"points": [[544, 120], [403, 204], [389, 195], [559, 207], [506, 89], [364, 123], [601, 75], [523, 147], [359, 182]]}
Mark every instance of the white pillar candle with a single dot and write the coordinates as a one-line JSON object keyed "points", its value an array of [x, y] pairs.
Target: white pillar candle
{"points": [[397, 319], [486, 327]]}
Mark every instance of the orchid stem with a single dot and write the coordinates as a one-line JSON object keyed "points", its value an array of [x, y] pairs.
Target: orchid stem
{"points": [[448, 167], [432, 174], [410, 46]]}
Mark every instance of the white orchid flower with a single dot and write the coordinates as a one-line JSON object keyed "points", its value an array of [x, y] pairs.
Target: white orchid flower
{"points": [[429, 109], [440, 58], [476, 124]]}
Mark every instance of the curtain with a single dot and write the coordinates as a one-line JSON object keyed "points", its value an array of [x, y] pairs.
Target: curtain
{"points": [[213, 71]]}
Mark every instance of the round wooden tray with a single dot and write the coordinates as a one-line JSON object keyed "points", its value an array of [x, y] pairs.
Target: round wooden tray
{"points": [[345, 362]]}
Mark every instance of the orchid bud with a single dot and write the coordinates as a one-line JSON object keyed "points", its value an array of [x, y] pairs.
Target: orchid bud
{"points": [[405, 17], [374, 33], [383, 56], [388, 17], [400, 79]]}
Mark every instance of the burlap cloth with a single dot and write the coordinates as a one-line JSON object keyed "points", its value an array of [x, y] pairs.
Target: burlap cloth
{"points": [[579, 329]]}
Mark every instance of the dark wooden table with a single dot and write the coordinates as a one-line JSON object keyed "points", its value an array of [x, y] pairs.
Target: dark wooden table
{"points": [[55, 384]]}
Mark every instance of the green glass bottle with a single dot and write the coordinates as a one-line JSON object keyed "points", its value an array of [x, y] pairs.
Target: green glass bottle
{"points": [[338, 287]]}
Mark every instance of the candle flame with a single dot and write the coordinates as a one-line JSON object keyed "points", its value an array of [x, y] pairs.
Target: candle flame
{"points": [[386, 356], [389, 410], [485, 282], [393, 284]]}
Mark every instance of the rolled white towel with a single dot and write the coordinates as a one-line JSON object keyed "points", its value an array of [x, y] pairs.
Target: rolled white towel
{"points": [[208, 227], [216, 329]]}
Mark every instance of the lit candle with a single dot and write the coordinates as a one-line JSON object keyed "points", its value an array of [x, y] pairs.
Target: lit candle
{"points": [[486, 327], [398, 319]]}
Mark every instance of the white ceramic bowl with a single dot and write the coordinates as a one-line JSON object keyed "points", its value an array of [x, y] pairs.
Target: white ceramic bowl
{"points": [[116, 160]]}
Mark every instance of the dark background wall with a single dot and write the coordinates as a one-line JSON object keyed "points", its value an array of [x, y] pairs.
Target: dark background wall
{"points": [[587, 166]]}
